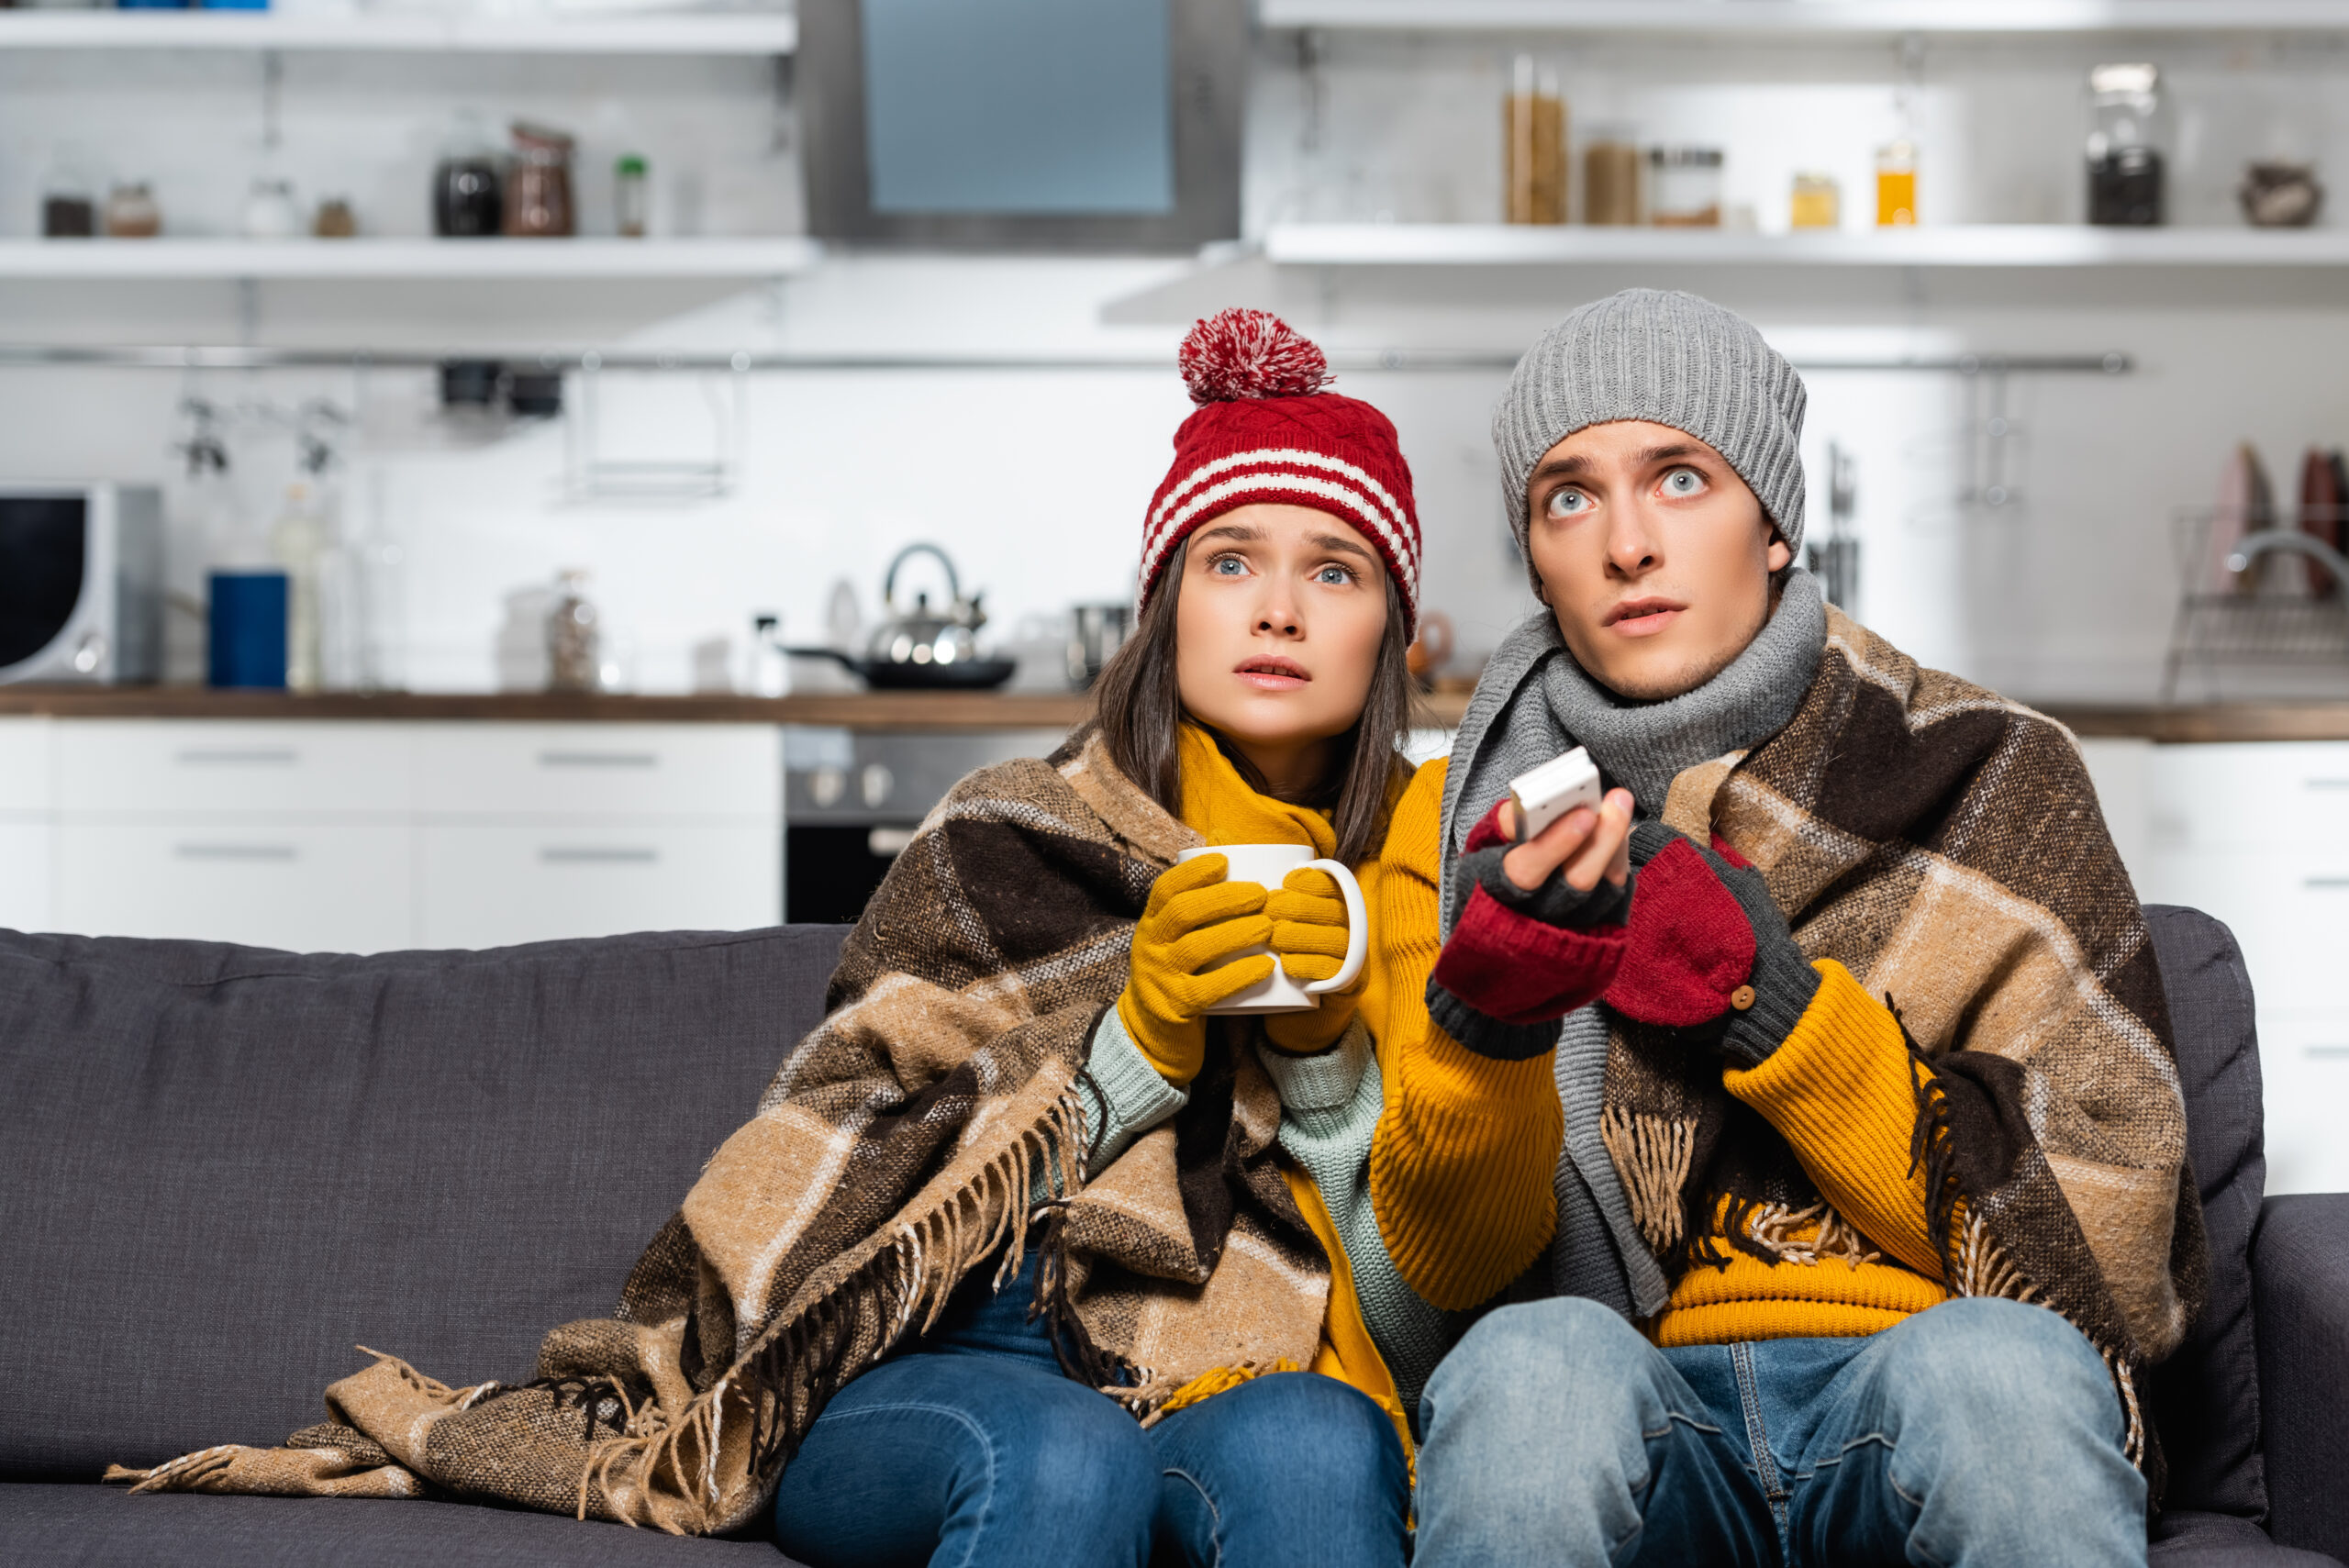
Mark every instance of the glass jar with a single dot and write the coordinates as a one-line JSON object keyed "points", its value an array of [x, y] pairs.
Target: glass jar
{"points": [[269, 212], [2124, 155], [68, 197], [334, 219], [575, 654], [1818, 203], [468, 188], [629, 206], [538, 193], [1610, 177], [1533, 146], [1896, 185], [131, 213], [1685, 188]]}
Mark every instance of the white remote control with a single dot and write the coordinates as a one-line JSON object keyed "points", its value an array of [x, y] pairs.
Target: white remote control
{"points": [[1552, 790]]}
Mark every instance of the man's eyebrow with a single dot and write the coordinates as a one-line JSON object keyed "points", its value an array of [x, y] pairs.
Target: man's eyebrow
{"points": [[1337, 542], [1575, 464]]}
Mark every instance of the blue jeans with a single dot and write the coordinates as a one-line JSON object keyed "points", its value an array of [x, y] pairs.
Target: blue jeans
{"points": [[975, 1448], [1980, 1433]]}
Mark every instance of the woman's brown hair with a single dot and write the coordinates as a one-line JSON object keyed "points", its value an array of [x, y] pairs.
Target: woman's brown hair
{"points": [[1138, 709]]}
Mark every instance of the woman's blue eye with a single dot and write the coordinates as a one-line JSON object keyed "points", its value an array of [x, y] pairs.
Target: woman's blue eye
{"points": [[1227, 566], [1568, 504], [1336, 575], [1682, 482]]}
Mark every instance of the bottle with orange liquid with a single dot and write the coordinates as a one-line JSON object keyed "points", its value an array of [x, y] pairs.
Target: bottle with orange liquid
{"points": [[1896, 185]]}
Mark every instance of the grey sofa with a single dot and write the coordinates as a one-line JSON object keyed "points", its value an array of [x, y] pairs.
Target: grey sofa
{"points": [[225, 1166]]}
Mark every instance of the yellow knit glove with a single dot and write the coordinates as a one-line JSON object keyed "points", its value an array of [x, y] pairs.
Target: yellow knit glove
{"points": [[1194, 920], [1309, 934]]}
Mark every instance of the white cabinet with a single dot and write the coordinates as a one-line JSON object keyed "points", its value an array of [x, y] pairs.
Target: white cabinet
{"points": [[2258, 834], [312, 887], [363, 837], [481, 887]]}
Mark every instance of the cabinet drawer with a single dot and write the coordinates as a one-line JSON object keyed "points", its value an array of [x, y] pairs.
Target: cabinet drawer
{"points": [[2289, 910], [489, 886], [24, 878], [176, 767], [24, 764], [2251, 796], [302, 885], [600, 769], [2304, 1066]]}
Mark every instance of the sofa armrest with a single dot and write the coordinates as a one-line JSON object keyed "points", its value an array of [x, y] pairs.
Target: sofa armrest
{"points": [[2299, 1267]]}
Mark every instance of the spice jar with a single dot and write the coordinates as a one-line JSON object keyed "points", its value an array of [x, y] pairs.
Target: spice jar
{"points": [[69, 202], [1610, 177], [538, 191], [1896, 185], [1533, 146], [269, 212], [629, 204], [2125, 174], [131, 213], [1818, 203], [468, 191], [335, 220], [2280, 195], [1685, 188]]}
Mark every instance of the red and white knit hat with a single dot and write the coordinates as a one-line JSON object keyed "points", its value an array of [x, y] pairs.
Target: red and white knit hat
{"points": [[1266, 432]]}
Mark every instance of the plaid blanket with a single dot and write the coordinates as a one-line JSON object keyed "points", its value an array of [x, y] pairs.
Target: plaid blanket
{"points": [[899, 1148], [1944, 845]]}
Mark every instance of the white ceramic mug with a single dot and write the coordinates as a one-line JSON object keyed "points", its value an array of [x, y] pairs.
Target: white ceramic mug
{"points": [[1268, 865]]}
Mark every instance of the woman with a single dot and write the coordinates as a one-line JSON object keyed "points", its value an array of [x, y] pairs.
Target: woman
{"points": [[1223, 1226], [1251, 1231]]}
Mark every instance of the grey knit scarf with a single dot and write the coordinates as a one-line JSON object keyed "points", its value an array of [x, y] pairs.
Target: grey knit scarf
{"points": [[1534, 701]]}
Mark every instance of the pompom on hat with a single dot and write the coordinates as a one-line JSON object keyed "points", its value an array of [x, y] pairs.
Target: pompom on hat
{"points": [[1266, 432]]}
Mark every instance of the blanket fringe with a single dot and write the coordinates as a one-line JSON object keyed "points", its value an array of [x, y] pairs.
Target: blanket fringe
{"points": [[798, 1363], [1651, 1154]]}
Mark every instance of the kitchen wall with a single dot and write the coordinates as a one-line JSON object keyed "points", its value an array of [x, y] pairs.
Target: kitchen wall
{"points": [[1036, 478]]}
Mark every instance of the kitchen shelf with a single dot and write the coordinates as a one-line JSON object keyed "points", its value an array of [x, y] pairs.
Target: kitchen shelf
{"points": [[411, 259], [1799, 17], [1970, 246], [730, 33]]}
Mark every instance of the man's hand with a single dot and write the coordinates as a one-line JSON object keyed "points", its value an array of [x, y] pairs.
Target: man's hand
{"points": [[1589, 845]]}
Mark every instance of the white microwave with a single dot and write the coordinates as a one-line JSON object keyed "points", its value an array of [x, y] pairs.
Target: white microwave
{"points": [[81, 583]]}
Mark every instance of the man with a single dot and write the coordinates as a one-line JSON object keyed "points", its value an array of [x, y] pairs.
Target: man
{"points": [[1873, 1205]]}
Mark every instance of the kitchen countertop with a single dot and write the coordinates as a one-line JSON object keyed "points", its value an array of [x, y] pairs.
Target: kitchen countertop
{"points": [[848, 710], [965, 710]]}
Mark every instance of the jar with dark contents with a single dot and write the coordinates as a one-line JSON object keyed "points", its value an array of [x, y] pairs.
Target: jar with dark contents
{"points": [[468, 186], [2126, 174], [537, 195]]}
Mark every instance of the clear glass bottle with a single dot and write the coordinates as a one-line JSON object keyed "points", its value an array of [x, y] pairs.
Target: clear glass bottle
{"points": [[300, 543], [2124, 154], [630, 205], [1533, 145], [575, 662], [68, 197], [1896, 185]]}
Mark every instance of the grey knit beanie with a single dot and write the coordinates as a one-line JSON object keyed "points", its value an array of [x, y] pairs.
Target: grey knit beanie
{"points": [[1670, 357]]}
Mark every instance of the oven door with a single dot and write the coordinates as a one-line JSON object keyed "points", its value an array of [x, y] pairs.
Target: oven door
{"points": [[45, 567]]}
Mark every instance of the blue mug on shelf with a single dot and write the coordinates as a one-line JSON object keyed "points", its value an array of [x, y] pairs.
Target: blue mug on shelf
{"points": [[248, 629]]}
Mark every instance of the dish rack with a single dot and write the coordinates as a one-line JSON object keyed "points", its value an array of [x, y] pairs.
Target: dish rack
{"points": [[2267, 596]]}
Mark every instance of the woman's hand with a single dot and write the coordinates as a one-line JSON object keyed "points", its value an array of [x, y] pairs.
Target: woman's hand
{"points": [[1194, 922], [1588, 845], [1308, 919]]}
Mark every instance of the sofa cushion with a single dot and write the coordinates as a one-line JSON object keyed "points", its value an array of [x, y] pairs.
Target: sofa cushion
{"points": [[101, 1527], [228, 1166], [2205, 1399]]}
